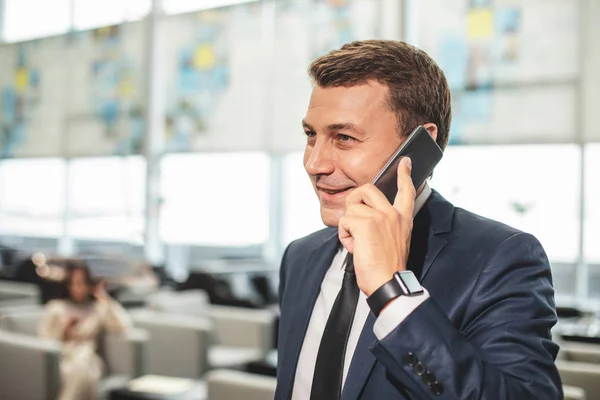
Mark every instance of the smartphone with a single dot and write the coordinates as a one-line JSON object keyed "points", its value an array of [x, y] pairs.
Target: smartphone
{"points": [[424, 153]]}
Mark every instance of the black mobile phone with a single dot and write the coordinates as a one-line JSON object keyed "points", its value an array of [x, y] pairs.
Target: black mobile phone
{"points": [[424, 153]]}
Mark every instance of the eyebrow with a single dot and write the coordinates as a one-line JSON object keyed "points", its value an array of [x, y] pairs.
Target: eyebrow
{"points": [[339, 126]]}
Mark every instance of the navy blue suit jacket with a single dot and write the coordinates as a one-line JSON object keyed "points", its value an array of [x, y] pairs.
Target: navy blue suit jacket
{"points": [[483, 334]]}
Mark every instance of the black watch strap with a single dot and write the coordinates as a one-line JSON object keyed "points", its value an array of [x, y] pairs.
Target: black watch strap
{"points": [[403, 283]]}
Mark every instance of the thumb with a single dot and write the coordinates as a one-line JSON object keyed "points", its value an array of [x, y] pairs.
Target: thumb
{"points": [[404, 167], [405, 197]]}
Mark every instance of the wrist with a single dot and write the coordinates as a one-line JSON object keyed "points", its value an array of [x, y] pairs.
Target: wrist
{"points": [[376, 282], [403, 283]]}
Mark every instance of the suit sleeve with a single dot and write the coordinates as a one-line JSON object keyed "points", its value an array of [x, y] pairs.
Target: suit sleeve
{"points": [[503, 350], [282, 274], [282, 277]]}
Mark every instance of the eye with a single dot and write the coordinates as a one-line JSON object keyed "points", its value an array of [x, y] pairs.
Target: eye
{"points": [[310, 134], [345, 138]]}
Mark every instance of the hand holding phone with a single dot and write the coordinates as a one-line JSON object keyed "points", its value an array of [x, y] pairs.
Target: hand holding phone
{"points": [[377, 224]]}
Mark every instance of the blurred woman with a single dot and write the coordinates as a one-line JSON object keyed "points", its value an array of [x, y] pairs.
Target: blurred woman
{"points": [[77, 321]]}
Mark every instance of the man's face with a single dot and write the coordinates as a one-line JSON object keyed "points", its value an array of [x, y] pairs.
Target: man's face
{"points": [[351, 133]]}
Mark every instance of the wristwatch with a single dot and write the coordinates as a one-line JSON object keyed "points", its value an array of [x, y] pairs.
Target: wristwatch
{"points": [[403, 283]]}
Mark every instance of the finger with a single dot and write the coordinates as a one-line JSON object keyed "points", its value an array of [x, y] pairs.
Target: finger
{"points": [[370, 195], [405, 198], [345, 237], [347, 228], [361, 210]]}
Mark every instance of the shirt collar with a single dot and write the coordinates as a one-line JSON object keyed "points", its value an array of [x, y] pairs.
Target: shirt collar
{"points": [[422, 198]]}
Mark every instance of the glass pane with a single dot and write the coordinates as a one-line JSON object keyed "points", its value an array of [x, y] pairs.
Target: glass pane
{"points": [[592, 200], [28, 19], [512, 66], [534, 188], [217, 71], [93, 13], [181, 6], [129, 228], [107, 185], [219, 199], [32, 187], [592, 219], [301, 214], [12, 225], [32, 197], [107, 198]]}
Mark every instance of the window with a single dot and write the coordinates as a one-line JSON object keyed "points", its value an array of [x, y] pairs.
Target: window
{"points": [[534, 188], [592, 200], [301, 214], [215, 199], [592, 219], [32, 197], [107, 198], [181, 6], [29, 19], [92, 13]]}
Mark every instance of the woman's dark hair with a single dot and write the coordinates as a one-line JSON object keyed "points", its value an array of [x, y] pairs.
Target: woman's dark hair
{"points": [[71, 266]]}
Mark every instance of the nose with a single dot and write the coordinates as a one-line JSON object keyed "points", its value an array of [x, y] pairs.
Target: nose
{"points": [[318, 159]]}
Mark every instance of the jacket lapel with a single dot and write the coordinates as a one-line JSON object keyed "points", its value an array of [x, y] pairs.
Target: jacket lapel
{"points": [[309, 285], [440, 214], [362, 363]]}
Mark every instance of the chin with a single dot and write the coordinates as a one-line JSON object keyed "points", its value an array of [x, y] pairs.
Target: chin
{"points": [[331, 217]]}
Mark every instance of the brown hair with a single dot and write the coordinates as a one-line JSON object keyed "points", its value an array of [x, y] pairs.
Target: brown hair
{"points": [[71, 265], [418, 90]]}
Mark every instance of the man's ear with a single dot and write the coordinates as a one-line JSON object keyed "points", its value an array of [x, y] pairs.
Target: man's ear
{"points": [[432, 129]]}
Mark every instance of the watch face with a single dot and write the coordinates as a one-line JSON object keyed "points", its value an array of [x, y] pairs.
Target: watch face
{"points": [[410, 281]]}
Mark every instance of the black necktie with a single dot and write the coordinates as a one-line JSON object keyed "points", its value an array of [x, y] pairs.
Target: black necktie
{"points": [[327, 379]]}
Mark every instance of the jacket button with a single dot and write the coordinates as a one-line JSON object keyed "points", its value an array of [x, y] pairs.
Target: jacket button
{"points": [[429, 378], [437, 388], [419, 368], [410, 359]]}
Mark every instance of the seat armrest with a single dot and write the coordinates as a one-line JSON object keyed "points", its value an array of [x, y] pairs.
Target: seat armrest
{"points": [[17, 307], [573, 393], [177, 345], [125, 354], [20, 301], [242, 327], [580, 352], [19, 289], [582, 375], [228, 384], [34, 368]]}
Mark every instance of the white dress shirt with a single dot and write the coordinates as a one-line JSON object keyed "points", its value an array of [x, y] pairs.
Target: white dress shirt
{"points": [[388, 320]]}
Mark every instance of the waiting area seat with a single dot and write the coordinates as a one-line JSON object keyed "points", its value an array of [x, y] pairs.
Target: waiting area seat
{"points": [[580, 352], [581, 375], [18, 293], [237, 335], [229, 385], [38, 359], [574, 393], [177, 345]]}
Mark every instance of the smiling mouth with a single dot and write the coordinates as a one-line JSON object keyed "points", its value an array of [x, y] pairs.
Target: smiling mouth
{"points": [[329, 191]]}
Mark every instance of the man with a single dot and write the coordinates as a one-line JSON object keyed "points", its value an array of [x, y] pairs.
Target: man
{"points": [[358, 327]]}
